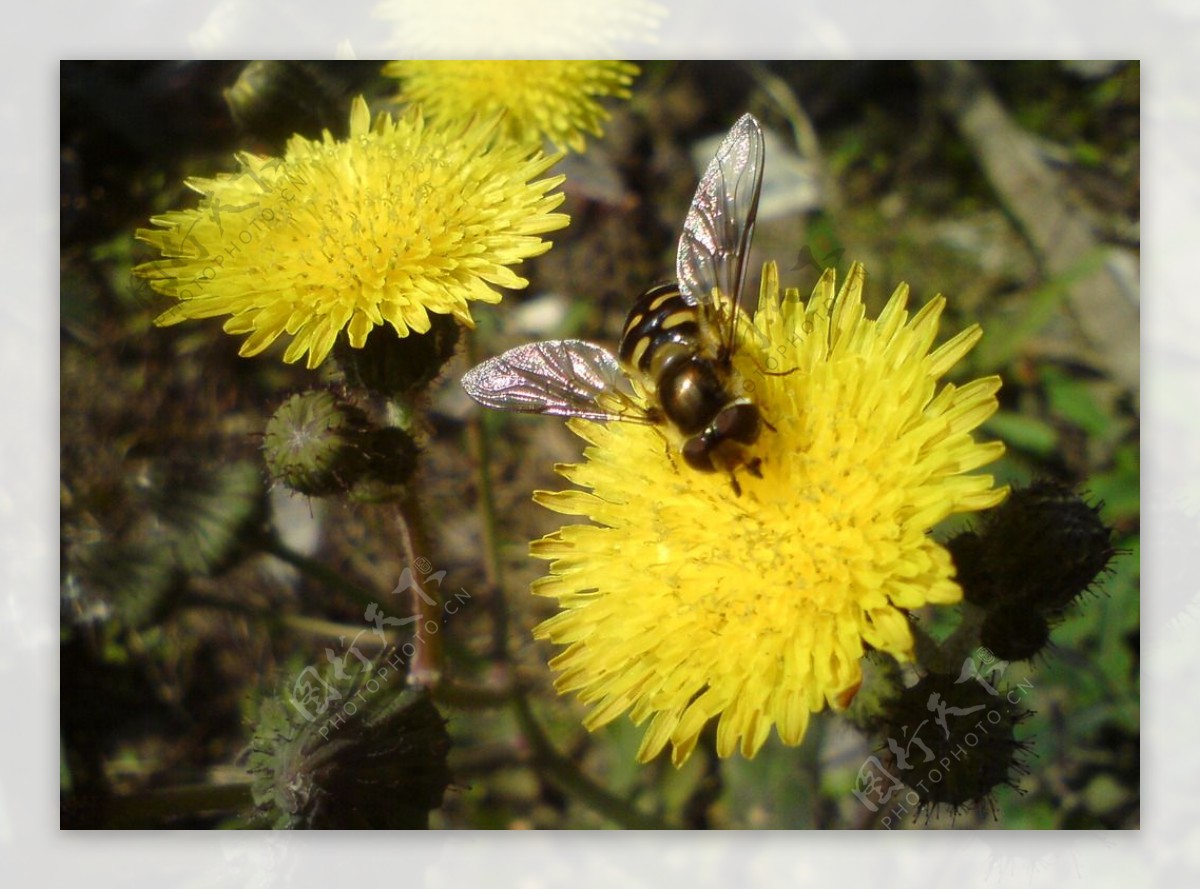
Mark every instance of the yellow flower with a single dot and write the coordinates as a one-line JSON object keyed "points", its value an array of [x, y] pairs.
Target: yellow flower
{"points": [[686, 602], [397, 221], [541, 99]]}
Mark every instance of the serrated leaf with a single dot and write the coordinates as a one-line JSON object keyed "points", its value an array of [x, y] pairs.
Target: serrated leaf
{"points": [[207, 515]]}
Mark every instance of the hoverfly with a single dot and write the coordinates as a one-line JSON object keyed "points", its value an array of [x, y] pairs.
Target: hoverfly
{"points": [[679, 339]]}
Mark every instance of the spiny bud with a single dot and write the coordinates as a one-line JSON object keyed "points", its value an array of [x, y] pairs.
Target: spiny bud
{"points": [[371, 754], [391, 459], [952, 741], [966, 549], [1042, 547], [1014, 632], [391, 455], [312, 444], [393, 366]]}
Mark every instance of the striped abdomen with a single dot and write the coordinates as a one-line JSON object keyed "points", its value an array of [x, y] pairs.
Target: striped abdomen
{"points": [[661, 328], [664, 345]]}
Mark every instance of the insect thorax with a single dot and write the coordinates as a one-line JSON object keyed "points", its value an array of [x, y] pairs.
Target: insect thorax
{"points": [[664, 345]]}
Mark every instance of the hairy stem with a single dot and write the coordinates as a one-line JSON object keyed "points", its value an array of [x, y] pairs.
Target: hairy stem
{"points": [[425, 668]]}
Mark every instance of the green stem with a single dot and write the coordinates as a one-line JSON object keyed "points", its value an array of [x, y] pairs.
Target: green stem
{"points": [[547, 761], [318, 571], [928, 652], [948, 656], [332, 630], [154, 806], [303, 625], [564, 773], [963, 642], [480, 436], [811, 764], [472, 698]]}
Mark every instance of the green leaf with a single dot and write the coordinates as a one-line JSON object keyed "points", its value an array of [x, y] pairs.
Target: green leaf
{"points": [[1023, 433], [1120, 487], [208, 514], [1003, 343], [1072, 400]]}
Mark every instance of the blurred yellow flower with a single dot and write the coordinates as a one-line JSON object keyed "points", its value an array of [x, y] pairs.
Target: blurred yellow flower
{"points": [[685, 602], [397, 221], [450, 29], [553, 100]]}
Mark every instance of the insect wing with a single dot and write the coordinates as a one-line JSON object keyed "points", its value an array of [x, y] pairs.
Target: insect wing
{"points": [[563, 377], [720, 222]]}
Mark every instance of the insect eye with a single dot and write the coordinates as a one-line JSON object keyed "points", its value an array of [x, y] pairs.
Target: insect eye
{"points": [[697, 455], [740, 422]]}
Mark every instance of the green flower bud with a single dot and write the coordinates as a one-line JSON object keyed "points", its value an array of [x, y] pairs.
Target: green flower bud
{"points": [[952, 741], [394, 366], [966, 549], [1015, 632], [391, 455], [274, 99], [312, 444], [373, 756], [1043, 547]]}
